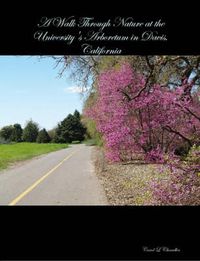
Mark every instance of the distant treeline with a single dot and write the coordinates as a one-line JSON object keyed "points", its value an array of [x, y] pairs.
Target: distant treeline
{"points": [[68, 130]]}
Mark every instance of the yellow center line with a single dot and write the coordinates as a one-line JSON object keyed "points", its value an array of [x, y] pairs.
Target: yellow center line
{"points": [[35, 184]]}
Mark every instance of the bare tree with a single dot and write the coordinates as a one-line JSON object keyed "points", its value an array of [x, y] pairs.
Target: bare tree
{"points": [[163, 69]]}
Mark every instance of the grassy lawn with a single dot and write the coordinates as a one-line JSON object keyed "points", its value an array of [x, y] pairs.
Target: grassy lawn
{"points": [[10, 153]]}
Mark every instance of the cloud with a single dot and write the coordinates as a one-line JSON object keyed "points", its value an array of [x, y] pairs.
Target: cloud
{"points": [[74, 89]]}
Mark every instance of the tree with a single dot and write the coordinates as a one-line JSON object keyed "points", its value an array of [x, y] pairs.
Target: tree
{"points": [[149, 106], [6, 132], [30, 131], [77, 115], [59, 134], [12, 133], [52, 134], [79, 130], [17, 133], [135, 119], [70, 129], [43, 136], [83, 68], [163, 69], [140, 118]]}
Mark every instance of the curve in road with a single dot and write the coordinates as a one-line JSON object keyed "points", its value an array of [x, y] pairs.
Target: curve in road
{"points": [[64, 177]]}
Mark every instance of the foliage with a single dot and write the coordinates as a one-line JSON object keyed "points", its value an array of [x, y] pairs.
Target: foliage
{"points": [[77, 115], [90, 142], [133, 118], [162, 123], [83, 68], [43, 136], [11, 133], [17, 133], [92, 133], [161, 69], [30, 131], [10, 153], [6, 132], [91, 130], [149, 107], [70, 129], [3, 141], [52, 134], [183, 185]]}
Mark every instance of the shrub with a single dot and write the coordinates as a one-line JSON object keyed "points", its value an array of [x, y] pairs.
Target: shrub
{"points": [[183, 185]]}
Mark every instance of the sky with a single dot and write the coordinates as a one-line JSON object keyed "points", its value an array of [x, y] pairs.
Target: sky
{"points": [[31, 89]]}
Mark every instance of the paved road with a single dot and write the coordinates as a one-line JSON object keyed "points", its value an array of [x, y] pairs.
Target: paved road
{"points": [[64, 177]]}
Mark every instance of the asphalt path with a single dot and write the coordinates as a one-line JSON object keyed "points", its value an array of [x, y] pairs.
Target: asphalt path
{"points": [[64, 177]]}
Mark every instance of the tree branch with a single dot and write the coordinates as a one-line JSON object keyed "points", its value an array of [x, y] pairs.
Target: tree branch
{"points": [[193, 114], [151, 66], [188, 110], [169, 129]]}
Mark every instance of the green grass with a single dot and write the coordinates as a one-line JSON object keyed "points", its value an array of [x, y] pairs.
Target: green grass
{"points": [[76, 142], [90, 142], [10, 153]]}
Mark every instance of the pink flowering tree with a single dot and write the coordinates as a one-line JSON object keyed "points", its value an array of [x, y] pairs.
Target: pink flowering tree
{"points": [[138, 118], [135, 119]]}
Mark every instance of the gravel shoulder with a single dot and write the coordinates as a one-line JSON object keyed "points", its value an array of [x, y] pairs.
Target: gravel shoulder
{"points": [[125, 184]]}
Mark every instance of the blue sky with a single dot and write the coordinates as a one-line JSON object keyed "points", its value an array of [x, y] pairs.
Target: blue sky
{"points": [[31, 89]]}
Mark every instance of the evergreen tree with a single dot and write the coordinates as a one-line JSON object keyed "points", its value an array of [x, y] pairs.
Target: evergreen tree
{"points": [[30, 132], [70, 129], [43, 136], [77, 115], [59, 137], [17, 133], [79, 130]]}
